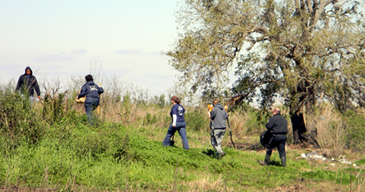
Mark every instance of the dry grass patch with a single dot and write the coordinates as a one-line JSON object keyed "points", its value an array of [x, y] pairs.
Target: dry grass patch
{"points": [[207, 183]]}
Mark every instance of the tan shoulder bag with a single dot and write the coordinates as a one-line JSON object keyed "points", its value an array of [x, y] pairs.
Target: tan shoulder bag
{"points": [[81, 99]]}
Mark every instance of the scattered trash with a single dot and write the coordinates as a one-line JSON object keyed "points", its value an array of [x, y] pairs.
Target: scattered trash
{"points": [[343, 160], [313, 156], [317, 157]]}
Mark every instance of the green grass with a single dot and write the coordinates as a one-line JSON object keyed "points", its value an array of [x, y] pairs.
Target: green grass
{"points": [[52, 148], [113, 156]]}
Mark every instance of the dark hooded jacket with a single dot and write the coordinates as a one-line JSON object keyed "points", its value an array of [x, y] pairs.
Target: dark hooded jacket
{"points": [[277, 125], [91, 91], [219, 116], [27, 84]]}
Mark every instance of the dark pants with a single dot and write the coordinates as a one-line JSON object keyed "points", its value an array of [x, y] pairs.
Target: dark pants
{"points": [[180, 127], [279, 142], [89, 107]]}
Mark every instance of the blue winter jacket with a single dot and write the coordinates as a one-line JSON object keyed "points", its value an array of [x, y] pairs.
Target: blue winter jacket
{"points": [[91, 90]]}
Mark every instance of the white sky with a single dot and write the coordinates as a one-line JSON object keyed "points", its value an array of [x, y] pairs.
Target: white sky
{"points": [[62, 38]]}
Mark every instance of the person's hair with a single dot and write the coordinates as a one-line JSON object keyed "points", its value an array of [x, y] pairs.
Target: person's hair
{"points": [[89, 78], [215, 101], [175, 99]]}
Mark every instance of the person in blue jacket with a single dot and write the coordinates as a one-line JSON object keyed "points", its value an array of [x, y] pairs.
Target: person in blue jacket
{"points": [[178, 123], [27, 84], [92, 92]]}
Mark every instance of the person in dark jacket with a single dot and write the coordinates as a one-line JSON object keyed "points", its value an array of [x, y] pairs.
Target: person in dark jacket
{"points": [[27, 83], [178, 123], [92, 92], [278, 128], [218, 117]]}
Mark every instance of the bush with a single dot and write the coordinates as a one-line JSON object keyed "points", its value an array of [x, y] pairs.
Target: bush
{"points": [[17, 120], [355, 130], [197, 120]]}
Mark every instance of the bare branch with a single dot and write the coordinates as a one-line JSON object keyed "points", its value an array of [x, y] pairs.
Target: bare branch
{"points": [[319, 11], [309, 5], [239, 98]]}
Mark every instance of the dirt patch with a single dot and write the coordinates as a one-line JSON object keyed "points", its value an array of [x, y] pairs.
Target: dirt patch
{"points": [[257, 146], [24, 189], [307, 186], [284, 188]]}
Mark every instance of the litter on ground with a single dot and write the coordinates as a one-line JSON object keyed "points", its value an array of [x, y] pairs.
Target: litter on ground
{"points": [[314, 156]]}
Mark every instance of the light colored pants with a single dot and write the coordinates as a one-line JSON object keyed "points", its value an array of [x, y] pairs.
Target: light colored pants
{"points": [[217, 139], [30, 99]]}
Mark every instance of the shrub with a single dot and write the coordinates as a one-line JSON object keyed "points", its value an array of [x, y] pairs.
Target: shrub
{"points": [[196, 120], [355, 130]]}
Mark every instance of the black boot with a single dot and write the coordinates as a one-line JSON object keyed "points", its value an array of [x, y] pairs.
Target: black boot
{"points": [[283, 161], [267, 160]]}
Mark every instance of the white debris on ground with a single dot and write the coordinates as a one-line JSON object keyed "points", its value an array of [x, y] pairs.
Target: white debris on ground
{"points": [[316, 157]]}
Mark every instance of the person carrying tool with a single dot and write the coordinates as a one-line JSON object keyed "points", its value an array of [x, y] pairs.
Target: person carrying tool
{"points": [[278, 128], [92, 92], [218, 116], [178, 123], [27, 83]]}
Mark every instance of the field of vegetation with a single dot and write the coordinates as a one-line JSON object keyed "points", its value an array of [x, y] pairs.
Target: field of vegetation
{"points": [[50, 147]]}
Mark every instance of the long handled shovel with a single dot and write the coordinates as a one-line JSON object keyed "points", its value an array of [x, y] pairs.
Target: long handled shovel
{"points": [[212, 137], [230, 133]]}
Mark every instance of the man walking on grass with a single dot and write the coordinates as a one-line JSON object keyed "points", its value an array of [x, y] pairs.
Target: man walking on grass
{"points": [[278, 128], [218, 117], [27, 83], [92, 92]]}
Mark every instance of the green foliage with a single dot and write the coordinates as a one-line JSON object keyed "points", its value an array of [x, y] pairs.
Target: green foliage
{"points": [[197, 120], [300, 52], [54, 108], [360, 162], [126, 111], [256, 122], [62, 152], [113, 156], [158, 100], [355, 138], [161, 100], [150, 119], [17, 120]]}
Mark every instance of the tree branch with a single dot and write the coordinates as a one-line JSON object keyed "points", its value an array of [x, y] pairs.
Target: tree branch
{"points": [[318, 12], [237, 99], [309, 5]]}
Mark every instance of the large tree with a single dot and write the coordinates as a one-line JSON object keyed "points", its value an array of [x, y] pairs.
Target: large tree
{"points": [[302, 51]]}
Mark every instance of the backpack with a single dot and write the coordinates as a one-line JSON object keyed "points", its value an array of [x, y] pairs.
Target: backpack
{"points": [[265, 139]]}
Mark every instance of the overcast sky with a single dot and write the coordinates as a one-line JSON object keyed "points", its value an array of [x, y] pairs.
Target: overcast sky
{"points": [[62, 38]]}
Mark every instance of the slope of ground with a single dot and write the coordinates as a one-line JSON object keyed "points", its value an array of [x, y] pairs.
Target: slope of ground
{"points": [[114, 157]]}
